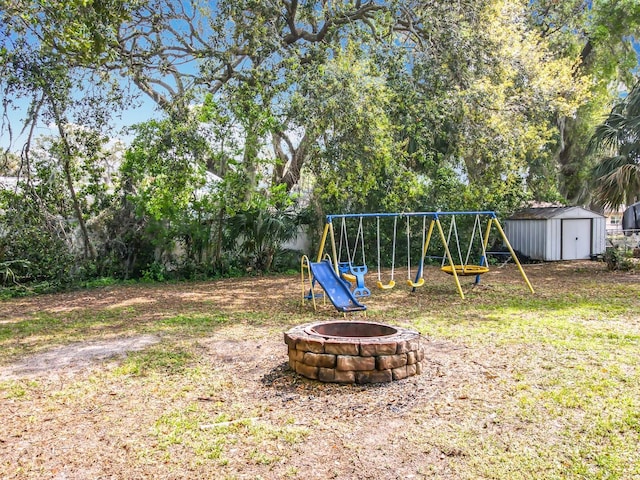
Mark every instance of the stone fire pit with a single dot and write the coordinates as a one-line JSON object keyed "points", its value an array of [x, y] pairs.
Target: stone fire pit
{"points": [[354, 352]]}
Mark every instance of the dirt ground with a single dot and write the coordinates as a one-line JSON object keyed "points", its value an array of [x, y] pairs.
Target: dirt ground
{"points": [[78, 420]]}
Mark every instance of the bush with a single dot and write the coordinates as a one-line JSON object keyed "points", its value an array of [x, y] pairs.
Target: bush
{"points": [[617, 260], [35, 246], [257, 236]]}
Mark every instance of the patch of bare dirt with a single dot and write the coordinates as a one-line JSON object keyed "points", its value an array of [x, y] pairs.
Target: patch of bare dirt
{"points": [[75, 357]]}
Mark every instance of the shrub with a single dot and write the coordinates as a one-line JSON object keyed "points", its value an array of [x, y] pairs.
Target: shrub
{"points": [[617, 260]]}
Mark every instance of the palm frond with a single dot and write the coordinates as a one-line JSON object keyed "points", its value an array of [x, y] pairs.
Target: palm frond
{"points": [[633, 101], [607, 165], [619, 187]]}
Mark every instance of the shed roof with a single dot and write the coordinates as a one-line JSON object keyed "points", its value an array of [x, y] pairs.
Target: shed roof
{"points": [[553, 212]]}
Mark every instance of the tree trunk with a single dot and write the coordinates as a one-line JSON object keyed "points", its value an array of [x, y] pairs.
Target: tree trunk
{"points": [[89, 250], [250, 163], [290, 163]]}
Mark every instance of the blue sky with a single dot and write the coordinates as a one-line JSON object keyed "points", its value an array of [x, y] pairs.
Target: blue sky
{"points": [[142, 110]]}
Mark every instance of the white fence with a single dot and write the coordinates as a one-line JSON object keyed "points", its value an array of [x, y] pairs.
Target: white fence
{"points": [[624, 239]]}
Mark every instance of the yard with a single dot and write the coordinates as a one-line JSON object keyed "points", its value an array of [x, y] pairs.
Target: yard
{"points": [[190, 380]]}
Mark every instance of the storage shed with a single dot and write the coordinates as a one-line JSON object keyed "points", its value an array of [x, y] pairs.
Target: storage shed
{"points": [[557, 233]]}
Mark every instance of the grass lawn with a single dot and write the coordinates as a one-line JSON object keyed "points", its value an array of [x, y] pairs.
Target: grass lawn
{"points": [[191, 380]]}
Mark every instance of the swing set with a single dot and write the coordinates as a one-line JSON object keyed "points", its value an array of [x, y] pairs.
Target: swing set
{"points": [[454, 260]]}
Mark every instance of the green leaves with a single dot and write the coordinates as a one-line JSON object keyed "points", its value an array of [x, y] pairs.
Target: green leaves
{"points": [[164, 166], [348, 107], [382, 105]]}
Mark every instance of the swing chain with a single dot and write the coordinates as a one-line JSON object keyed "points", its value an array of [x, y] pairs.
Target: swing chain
{"points": [[393, 249]]}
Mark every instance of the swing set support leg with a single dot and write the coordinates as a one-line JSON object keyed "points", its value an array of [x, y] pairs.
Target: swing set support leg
{"points": [[323, 241], [448, 254], [513, 255], [477, 280], [328, 231], [485, 242]]}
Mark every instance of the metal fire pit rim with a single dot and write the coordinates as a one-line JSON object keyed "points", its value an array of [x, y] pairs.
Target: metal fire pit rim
{"points": [[310, 330]]}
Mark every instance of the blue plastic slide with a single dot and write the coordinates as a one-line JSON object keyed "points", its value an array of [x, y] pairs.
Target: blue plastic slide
{"points": [[335, 288]]}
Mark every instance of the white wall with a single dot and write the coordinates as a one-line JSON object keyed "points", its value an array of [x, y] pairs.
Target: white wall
{"points": [[599, 245], [527, 236]]}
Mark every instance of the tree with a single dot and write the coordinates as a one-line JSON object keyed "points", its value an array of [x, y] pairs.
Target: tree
{"points": [[171, 48], [257, 234], [509, 110], [601, 33], [39, 214], [44, 55], [242, 52], [617, 174], [356, 162], [478, 111]]}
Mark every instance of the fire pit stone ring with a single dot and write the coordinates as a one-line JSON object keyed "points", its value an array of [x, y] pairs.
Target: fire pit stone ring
{"points": [[354, 352]]}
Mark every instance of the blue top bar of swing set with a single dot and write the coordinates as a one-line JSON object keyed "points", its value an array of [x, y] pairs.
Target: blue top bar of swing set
{"points": [[408, 214]]}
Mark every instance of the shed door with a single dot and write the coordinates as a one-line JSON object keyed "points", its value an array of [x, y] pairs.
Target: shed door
{"points": [[576, 239]]}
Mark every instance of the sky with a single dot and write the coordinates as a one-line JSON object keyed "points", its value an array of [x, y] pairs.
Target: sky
{"points": [[142, 110]]}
